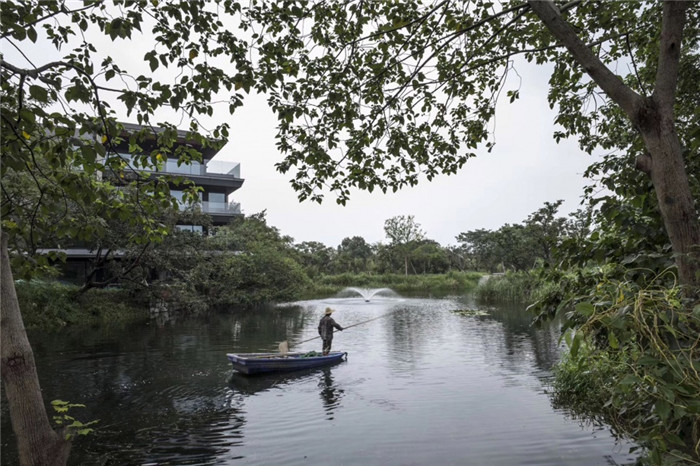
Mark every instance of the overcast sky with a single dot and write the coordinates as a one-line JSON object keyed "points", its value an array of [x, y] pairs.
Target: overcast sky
{"points": [[525, 169]]}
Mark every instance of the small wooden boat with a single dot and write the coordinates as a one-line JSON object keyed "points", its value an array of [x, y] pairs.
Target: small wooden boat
{"points": [[265, 363]]}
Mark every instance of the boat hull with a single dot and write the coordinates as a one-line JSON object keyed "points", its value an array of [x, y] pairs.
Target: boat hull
{"points": [[266, 363]]}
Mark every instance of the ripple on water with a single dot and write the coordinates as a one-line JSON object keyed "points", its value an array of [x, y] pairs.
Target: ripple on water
{"points": [[422, 385]]}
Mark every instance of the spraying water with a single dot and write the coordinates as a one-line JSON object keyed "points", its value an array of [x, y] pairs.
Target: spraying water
{"points": [[368, 293]]}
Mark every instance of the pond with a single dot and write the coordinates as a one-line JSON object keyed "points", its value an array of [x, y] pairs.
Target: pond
{"points": [[422, 384]]}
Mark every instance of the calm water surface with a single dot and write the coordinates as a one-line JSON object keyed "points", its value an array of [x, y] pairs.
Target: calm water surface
{"points": [[421, 385]]}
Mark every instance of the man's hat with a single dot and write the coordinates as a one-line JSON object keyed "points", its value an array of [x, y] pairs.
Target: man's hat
{"points": [[329, 311]]}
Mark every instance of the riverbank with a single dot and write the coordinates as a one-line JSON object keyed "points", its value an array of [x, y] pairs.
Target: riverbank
{"points": [[632, 355], [50, 305]]}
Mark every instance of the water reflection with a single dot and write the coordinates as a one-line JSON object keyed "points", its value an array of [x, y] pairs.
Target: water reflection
{"points": [[156, 390], [331, 394], [421, 385]]}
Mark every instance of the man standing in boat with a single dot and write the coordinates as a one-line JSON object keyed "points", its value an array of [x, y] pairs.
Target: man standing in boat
{"points": [[325, 329]]}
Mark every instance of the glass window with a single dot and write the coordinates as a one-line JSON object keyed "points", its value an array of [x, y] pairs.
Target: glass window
{"points": [[217, 197], [192, 228], [177, 195]]}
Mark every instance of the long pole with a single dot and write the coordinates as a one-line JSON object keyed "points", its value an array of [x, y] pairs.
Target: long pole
{"points": [[350, 326]]}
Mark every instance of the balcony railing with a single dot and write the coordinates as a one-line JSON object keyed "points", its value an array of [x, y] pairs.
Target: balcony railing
{"points": [[210, 168], [213, 167], [221, 207], [223, 168]]}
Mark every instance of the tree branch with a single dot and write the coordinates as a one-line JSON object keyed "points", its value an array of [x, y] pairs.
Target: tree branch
{"points": [[36, 71], [612, 85], [669, 54], [62, 10], [634, 65], [398, 28], [643, 163]]}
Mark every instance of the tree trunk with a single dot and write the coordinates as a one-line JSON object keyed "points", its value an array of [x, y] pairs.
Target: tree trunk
{"points": [[666, 168], [655, 120], [37, 442]]}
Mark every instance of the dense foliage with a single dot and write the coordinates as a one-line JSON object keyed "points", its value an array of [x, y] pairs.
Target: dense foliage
{"points": [[54, 305], [521, 246], [245, 263], [634, 363]]}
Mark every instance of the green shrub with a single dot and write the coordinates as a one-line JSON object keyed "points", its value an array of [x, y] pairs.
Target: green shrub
{"points": [[51, 305], [634, 363]]}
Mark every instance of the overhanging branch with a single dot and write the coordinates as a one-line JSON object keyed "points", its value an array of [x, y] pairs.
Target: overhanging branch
{"points": [[620, 93]]}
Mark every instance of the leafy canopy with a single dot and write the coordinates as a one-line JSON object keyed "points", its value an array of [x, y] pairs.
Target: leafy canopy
{"points": [[377, 95], [63, 92]]}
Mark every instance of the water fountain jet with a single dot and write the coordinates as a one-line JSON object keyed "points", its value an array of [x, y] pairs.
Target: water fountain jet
{"points": [[368, 293]]}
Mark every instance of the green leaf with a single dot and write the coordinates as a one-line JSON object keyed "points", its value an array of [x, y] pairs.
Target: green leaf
{"points": [[28, 116], [663, 409], [585, 309], [575, 344], [31, 34], [89, 154], [630, 379]]}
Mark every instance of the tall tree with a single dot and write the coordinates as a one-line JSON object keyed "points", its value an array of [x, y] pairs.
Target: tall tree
{"points": [[59, 98], [480, 246], [315, 256], [375, 95], [430, 257], [403, 233], [546, 230], [353, 254]]}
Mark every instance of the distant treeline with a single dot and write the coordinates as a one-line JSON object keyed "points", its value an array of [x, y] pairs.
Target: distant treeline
{"points": [[249, 262]]}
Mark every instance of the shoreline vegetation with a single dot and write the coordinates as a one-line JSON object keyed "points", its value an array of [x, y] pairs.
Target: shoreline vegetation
{"points": [[51, 305], [453, 281], [633, 353]]}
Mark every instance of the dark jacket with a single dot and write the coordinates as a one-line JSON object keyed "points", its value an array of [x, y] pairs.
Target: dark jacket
{"points": [[325, 327]]}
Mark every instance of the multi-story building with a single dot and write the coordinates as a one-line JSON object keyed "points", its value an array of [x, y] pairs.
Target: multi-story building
{"points": [[218, 180]]}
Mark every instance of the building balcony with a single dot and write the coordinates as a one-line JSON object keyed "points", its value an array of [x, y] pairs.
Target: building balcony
{"points": [[208, 174], [221, 208], [209, 167], [212, 167]]}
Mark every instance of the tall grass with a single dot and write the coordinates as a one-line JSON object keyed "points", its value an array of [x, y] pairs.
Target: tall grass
{"points": [[522, 287]]}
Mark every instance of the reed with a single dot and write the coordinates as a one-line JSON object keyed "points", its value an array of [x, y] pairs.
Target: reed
{"points": [[521, 287]]}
